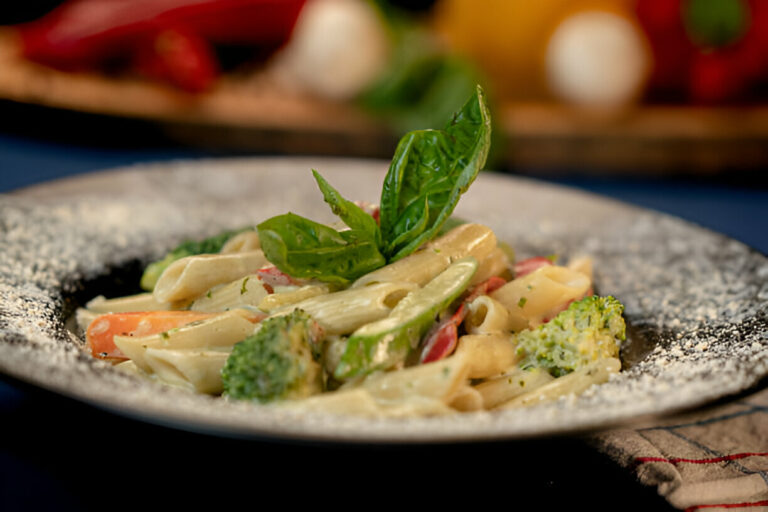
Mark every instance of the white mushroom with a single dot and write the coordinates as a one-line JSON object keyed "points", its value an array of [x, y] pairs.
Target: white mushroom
{"points": [[597, 58], [338, 47]]}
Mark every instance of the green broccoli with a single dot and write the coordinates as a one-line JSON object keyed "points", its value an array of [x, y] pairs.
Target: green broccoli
{"points": [[209, 245], [278, 362], [589, 329]]}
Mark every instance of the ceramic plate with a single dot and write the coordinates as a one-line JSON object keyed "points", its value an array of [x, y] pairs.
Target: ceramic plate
{"points": [[696, 301]]}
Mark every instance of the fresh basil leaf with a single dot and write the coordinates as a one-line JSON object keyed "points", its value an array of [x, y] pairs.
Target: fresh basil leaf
{"points": [[414, 220], [306, 249], [432, 168], [352, 215]]}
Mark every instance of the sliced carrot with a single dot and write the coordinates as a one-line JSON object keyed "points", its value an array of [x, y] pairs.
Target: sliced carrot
{"points": [[101, 332]]}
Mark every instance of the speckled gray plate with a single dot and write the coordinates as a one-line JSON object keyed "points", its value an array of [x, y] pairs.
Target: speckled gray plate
{"points": [[697, 301]]}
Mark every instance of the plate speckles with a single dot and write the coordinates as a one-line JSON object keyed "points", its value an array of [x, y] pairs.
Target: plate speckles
{"points": [[697, 301]]}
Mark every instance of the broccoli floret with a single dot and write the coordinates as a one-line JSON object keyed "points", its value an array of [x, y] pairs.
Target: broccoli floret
{"points": [[589, 329], [209, 245], [277, 362]]}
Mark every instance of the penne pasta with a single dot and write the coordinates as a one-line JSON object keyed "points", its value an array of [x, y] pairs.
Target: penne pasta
{"points": [[422, 266], [359, 402], [467, 399], [220, 331], [247, 291], [574, 383], [242, 242], [582, 264], [194, 369], [543, 292], [356, 402], [504, 388], [344, 311], [419, 390], [487, 355], [440, 380], [192, 276], [487, 315], [139, 302], [495, 264], [279, 299]]}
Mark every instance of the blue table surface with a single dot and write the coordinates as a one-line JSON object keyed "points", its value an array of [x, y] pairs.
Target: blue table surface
{"points": [[739, 211]]}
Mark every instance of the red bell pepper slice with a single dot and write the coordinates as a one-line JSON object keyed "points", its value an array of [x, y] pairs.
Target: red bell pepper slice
{"points": [[528, 265], [273, 276], [441, 341]]}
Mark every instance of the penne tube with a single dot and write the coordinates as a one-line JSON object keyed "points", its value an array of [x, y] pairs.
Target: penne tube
{"points": [[345, 311], [242, 242], [333, 348], [192, 276], [418, 390], [359, 402], [574, 383], [487, 315], [129, 366], [496, 263], [197, 370], [487, 355], [422, 266], [467, 399], [127, 304], [505, 387], [247, 291], [582, 264], [279, 299], [343, 402], [439, 381], [540, 294], [220, 331]]}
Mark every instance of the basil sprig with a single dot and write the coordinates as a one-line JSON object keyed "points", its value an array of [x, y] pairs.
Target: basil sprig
{"points": [[307, 249], [430, 171]]}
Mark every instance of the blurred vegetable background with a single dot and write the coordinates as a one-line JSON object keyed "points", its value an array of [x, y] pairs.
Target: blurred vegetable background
{"points": [[661, 86], [659, 103]]}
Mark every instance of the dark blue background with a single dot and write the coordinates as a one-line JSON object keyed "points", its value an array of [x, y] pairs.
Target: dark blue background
{"points": [[61, 455]]}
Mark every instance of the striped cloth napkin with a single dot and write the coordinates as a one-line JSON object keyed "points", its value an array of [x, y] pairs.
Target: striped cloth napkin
{"points": [[710, 460]]}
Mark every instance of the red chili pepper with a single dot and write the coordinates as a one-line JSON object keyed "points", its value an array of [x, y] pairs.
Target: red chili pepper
{"points": [[89, 34]]}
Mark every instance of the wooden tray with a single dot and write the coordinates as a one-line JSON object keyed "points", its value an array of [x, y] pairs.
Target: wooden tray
{"points": [[249, 113]]}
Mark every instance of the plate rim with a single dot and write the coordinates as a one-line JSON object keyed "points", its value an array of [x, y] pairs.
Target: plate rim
{"points": [[208, 427]]}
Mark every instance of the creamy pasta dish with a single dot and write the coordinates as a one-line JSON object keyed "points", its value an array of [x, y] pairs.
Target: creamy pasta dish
{"points": [[398, 309]]}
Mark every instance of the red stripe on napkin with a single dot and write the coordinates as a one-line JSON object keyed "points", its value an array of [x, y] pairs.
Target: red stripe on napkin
{"points": [[724, 458]]}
